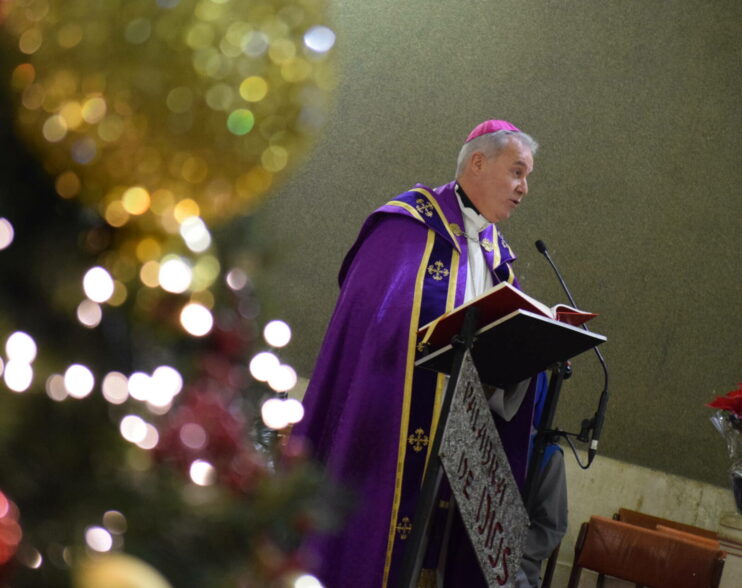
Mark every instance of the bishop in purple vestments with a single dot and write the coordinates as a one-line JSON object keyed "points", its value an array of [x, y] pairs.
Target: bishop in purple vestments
{"points": [[370, 414]]}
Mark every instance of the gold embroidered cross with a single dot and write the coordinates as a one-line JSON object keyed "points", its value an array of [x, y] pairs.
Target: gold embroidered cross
{"points": [[418, 440], [488, 245], [438, 270], [404, 528], [424, 207]]}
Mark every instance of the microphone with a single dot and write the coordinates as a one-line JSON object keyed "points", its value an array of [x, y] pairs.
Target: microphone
{"points": [[596, 423]]}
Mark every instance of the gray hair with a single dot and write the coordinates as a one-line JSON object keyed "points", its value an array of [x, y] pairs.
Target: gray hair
{"points": [[490, 145]]}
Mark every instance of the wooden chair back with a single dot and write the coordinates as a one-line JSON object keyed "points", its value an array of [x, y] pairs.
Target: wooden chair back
{"points": [[645, 556], [641, 519]]}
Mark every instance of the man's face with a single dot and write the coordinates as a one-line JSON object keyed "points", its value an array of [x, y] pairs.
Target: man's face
{"points": [[502, 181]]}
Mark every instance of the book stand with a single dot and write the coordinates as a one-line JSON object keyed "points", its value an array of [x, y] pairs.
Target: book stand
{"points": [[506, 351]]}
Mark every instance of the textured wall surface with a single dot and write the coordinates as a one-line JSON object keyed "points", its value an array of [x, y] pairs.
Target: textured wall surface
{"points": [[636, 189]]}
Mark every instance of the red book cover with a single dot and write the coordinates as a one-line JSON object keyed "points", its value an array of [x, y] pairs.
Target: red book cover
{"points": [[494, 304]]}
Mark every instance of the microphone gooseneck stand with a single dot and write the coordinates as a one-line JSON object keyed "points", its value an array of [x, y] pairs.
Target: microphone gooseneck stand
{"points": [[591, 428]]}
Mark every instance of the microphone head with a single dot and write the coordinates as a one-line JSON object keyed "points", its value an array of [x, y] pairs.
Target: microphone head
{"points": [[541, 246]]}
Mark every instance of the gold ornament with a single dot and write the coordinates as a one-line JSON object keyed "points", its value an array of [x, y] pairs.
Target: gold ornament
{"points": [[138, 105], [117, 570], [156, 111]]}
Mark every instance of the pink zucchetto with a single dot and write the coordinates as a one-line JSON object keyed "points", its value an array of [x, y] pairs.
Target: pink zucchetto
{"points": [[491, 126]]}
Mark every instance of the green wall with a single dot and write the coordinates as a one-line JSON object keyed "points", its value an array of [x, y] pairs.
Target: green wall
{"points": [[636, 189]]}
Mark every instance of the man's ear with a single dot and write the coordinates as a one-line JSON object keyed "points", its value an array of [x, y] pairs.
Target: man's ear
{"points": [[477, 161]]}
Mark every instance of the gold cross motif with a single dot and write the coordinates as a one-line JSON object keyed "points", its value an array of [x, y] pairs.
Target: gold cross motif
{"points": [[487, 245], [418, 440], [404, 528], [438, 270], [424, 207]]}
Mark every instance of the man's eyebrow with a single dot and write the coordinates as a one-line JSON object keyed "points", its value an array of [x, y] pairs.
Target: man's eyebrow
{"points": [[521, 163]]}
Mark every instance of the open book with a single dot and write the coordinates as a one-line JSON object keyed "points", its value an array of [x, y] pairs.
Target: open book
{"points": [[497, 302]]}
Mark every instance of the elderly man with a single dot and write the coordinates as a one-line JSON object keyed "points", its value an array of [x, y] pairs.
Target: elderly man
{"points": [[370, 414]]}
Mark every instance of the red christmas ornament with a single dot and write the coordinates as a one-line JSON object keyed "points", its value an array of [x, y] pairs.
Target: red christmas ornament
{"points": [[10, 530], [205, 428]]}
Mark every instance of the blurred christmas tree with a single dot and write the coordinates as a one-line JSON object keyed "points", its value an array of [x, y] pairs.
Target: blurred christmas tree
{"points": [[135, 137]]}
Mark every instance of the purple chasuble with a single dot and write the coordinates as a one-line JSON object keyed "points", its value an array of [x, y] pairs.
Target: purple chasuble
{"points": [[370, 414]]}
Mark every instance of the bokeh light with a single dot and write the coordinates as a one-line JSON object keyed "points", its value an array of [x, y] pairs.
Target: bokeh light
{"points": [[168, 378], [236, 279], [241, 121], [89, 313], [98, 539], [133, 428], [18, 375], [78, 380], [165, 384], [11, 534], [320, 39], [254, 88], [115, 387], [283, 378], [205, 272], [195, 234], [277, 333], [5, 506], [263, 365], [196, 319], [30, 557], [54, 129], [6, 233], [20, 347], [274, 414], [139, 386], [307, 581], [175, 275], [202, 473], [93, 110], [193, 436], [55, 388], [136, 200], [98, 284], [67, 184], [151, 438], [294, 410], [114, 522], [149, 274]]}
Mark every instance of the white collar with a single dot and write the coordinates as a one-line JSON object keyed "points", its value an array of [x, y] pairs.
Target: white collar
{"points": [[473, 221]]}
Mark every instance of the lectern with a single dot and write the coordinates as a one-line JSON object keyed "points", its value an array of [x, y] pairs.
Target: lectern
{"points": [[467, 448]]}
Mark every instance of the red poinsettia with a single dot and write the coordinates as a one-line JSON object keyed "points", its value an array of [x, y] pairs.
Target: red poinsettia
{"points": [[731, 402]]}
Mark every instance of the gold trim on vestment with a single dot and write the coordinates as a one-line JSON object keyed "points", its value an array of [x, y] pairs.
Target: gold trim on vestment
{"points": [[497, 254], [408, 208], [442, 378], [440, 214], [409, 370]]}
